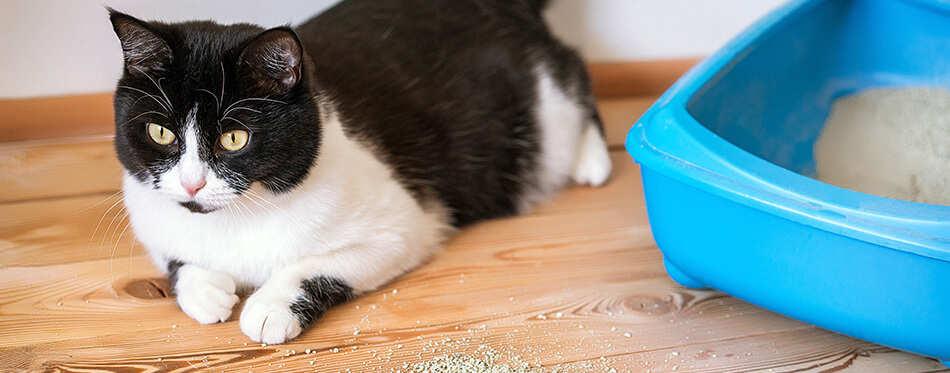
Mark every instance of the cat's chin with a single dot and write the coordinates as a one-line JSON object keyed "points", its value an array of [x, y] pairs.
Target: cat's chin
{"points": [[196, 207]]}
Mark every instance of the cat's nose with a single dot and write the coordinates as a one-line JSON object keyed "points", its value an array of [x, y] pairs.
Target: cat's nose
{"points": [[193, 187]]}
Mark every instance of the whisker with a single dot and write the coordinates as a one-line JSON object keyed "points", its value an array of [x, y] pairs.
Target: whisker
{"points": [[117, 228], [115, 248], [96, 204], [139, 99], [239, 122], [103, 241], [237, 212], [158, 85], [162, 91], [252, 193], [233, 208], [222, 87], [131, 252], [153, 97], [228, 110], [127, 225], [251, 212], [217, 102], [241, 213], [147, 112], [294, 219], [246, 108], [99, 224], [265, 208]]}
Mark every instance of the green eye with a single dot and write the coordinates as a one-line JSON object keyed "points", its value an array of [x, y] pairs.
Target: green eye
{"points": [[234, 140], [161, 135]]}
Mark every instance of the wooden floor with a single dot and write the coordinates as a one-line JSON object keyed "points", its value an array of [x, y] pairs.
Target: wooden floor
{"points": [[578, 285]]}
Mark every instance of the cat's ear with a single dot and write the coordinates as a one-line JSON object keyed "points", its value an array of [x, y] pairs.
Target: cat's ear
{"points": [[143, 49], [273, 60]]}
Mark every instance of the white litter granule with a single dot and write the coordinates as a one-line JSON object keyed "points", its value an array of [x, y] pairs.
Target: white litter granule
{"points": [[891, 142]]}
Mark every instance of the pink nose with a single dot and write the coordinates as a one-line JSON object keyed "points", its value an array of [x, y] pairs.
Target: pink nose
{"points": [[193, 188]]}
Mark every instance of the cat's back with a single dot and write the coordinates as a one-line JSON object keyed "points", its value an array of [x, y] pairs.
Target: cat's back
{"points": [[447, 92], [407, 29], [438, 47]]}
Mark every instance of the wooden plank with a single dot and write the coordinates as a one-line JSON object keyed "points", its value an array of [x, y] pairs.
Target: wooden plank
{"points": [[57, 231], [620, 114], [641, 78], [58, 168], [92, 114], [781, 351], [56, 117]]}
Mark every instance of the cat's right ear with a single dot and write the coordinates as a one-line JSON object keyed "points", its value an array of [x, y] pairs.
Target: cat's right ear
{"points": [[143, 49], [273, 60]]}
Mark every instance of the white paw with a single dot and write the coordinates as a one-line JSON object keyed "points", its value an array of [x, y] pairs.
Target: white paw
{"points": [[205, 295], [267, 318], [592, 166]]}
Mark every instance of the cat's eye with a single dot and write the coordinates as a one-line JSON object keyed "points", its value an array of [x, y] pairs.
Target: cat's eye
{"points": [[161, 135], [234, 140]]}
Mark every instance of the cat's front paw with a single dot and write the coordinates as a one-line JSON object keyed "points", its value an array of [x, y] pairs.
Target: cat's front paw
{"points": [[205, 295], [268, 318]]}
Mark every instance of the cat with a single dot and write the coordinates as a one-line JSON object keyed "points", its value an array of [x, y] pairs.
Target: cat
{"points": [[305, 166]]}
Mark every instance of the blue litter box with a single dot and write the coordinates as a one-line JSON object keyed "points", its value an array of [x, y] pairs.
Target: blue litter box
{"points": [[726, 156]]}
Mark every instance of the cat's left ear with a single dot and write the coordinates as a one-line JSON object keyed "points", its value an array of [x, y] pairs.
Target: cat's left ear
{"points": [[143, 49], [274, 60]]}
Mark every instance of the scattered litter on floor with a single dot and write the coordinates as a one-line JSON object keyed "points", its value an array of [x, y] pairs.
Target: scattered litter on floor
{"points": [[488, 360]]}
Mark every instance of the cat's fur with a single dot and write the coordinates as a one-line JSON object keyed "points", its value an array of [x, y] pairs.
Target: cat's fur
{"points": [[377, 128]]}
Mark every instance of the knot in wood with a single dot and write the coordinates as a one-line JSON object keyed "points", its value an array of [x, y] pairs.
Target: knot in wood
{"points": [[148, 288]]}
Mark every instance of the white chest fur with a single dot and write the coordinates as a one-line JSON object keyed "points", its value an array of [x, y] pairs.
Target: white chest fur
{"points": [[349, 200]]}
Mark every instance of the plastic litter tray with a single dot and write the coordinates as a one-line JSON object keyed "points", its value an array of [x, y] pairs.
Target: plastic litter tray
{"points": [[726, 156]]}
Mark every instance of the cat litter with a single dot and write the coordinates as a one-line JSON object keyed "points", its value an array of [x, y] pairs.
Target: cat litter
{"points": [[891, 143]]}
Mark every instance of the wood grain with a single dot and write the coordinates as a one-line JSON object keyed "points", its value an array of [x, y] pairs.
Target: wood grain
{"points": [[58, 168], [641, 78], [578, 284], [34, 233], [56, 117], [620, 114]]}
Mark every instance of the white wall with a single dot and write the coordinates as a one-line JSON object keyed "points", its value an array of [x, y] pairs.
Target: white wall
{"points": [[55, 47]]}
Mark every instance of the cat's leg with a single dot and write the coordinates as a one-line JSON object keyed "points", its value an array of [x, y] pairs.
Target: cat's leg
{"points": [[205, 295], [300, 293], [572, 137], [281, 309], [592, 164]]}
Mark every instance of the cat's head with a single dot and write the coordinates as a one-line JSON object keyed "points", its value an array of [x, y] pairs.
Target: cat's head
{"points": [[204, 110]]}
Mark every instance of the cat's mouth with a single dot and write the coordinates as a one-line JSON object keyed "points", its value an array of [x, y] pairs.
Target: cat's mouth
{"points": [[196, 207]]}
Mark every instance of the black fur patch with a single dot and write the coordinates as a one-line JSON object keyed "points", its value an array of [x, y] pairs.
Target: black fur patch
{"points": [[445, 91], [319, 294], [206, 70], [173, 267], [195, 207]]}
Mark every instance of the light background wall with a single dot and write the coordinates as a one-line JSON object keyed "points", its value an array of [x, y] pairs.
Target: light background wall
{"points": [[56, 47]]}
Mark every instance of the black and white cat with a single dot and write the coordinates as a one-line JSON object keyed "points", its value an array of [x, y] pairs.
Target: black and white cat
{"points": [[306, 166]]}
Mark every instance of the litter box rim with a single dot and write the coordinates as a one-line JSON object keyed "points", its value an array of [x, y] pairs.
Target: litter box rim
{"points": [[670, 141]]}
